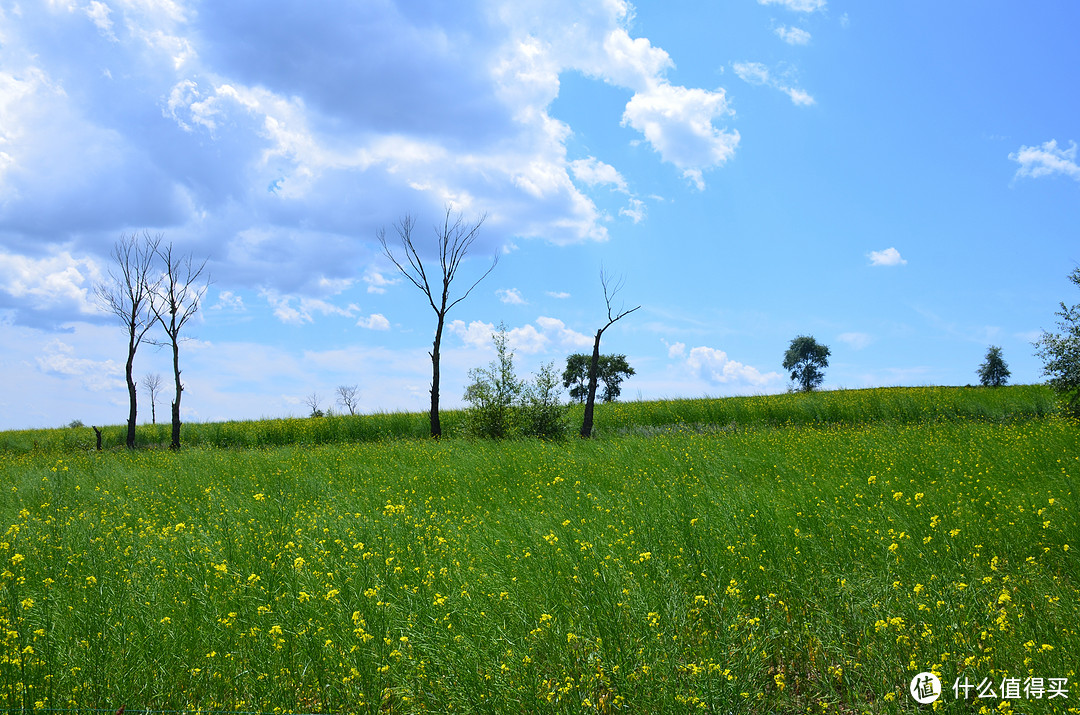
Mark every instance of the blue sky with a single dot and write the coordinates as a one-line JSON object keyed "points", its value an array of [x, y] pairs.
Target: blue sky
{"points": [[899, 180]]}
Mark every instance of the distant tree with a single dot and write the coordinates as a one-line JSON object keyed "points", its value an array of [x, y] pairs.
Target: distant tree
{"points": [[128, 294], [612, 370], [152, 383], [313, 402], [75, 424], [994, 372], [806, 358], [594, 363], [453, 241], [177, 299], [347, 397], [1060, 353]]}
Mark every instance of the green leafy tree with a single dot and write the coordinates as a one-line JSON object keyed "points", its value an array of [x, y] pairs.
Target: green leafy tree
{"points": [[1060, 353], [806, 358], [612, 370], [994, 372]]}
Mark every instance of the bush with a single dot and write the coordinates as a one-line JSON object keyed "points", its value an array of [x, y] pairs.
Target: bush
{"points": [[501, 405]]}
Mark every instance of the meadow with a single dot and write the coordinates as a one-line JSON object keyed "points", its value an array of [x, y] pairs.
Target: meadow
{"points": [[796, 553]]}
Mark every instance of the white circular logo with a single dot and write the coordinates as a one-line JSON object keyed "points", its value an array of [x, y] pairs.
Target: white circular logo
{"points": [[925, 688]]}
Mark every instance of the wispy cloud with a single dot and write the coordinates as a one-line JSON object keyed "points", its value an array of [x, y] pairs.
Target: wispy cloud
{"points": [[793, 35], [758, 74], [796, 5], [858, 341]]}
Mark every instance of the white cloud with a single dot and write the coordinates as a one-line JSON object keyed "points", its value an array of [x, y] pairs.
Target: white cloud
{"points": [[888, 257], [758, 74], [796, 5], [856, 340], [527, 339], [793, 35], [714, 366], [297, 310], [561, 295], [635, 211], [95, 375], [99, 12], [593, 172], [227, 300], [476, 334], [1047, 160], [377, 282], [58, 280], [676, 350], [510, 295], [375, 321], [678, 122], [562, 335]]}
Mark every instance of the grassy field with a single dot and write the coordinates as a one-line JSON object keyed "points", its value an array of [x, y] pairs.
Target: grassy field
{"points": [[784, 554]]}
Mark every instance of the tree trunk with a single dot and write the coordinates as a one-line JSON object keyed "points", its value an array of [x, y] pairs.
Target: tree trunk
{"points": [[176, 403], [594, 368], [132, 396], [436, 426]]}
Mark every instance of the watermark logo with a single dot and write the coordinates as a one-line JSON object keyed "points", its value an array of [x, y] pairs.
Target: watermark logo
{"points": [[925, 688]]}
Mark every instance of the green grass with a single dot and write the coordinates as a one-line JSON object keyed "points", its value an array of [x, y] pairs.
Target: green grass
{"points": [[811, 559], [896, 405]]}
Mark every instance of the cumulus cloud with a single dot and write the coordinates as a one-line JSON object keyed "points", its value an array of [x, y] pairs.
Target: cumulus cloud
{"points": [[758, 74], [714, 366], [888, 257], [593, 172], [510, 295], [676, 350], [1046, 160], [57, 280], [678, 122], [375, 321], [547, 333], [793, 35]]}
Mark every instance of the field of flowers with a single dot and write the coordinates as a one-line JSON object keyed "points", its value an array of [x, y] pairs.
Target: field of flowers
{"points": [[807, 568]]}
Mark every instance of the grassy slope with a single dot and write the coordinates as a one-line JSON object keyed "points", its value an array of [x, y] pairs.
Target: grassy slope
{"points": [[898, 405], [770, 569]]}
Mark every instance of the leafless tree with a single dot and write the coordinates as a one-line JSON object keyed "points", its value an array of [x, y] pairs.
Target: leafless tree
{"points": [[312, 401], [177, 299], [453, 241], [127, 294], [609, 294], [152, 383], [347, 397]]}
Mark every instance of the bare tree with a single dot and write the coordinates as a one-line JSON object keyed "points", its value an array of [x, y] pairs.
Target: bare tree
{"points": [[453, 242], [347, 397], [152, 383], [177, 299], [127, 294], [312, 401], [587, 422]]}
